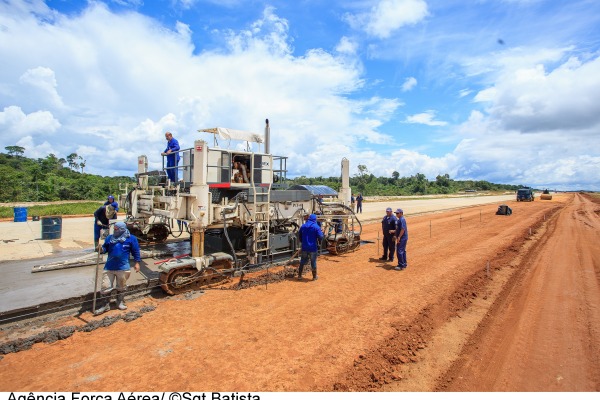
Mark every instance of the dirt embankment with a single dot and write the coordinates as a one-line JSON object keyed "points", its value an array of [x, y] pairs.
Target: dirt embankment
{"points": [[472, 311]]}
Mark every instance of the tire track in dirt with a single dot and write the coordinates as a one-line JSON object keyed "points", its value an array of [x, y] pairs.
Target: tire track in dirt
{"points": [[543, 333], [404, 361]]}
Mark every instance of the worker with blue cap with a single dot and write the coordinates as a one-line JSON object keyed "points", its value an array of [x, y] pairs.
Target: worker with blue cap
{"points": [[119, 246], [172, 155], [401, 236], [101, 222], [310, 234], [388, 226], [110, 201]]}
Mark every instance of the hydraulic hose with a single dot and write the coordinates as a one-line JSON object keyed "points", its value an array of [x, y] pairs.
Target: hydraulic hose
{"points": [[223, 212]]}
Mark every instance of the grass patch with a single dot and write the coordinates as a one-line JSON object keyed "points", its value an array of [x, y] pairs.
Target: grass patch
{"points": [[79, 208]]}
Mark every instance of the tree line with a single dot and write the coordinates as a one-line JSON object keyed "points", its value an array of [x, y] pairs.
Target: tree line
{"points": [[54, 178], [51, 178], [369, 185]]}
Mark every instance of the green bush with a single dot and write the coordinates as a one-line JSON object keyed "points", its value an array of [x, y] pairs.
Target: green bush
{"points": [[86, 208]]}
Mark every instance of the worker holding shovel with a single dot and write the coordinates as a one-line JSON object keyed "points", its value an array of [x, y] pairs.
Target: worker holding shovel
{"points": [[119, 246]]}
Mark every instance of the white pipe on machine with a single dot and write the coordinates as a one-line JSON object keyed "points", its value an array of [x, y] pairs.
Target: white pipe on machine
{"points": [[345, 190]]}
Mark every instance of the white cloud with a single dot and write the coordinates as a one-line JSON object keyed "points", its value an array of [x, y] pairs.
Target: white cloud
{"points": [[107, 85], [14, 124], [426, 118], [411, 163], [464, 92], [133, 3], [388, 16], [409, 84], [268, 34], [44, 81], [534, 99], [122, 87], [36, 149], [346, 46], [553, 158]]}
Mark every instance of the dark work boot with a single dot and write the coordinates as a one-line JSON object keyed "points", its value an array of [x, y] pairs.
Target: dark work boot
{"points": [[315, 277], [300, 272]]}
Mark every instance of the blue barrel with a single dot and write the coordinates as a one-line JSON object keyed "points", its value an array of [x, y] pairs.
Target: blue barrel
{"points": [[20, 214], [51, 228]]}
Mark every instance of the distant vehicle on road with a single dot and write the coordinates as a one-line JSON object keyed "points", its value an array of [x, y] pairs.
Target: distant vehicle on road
{"points": [[546, 195], [525, 194]]}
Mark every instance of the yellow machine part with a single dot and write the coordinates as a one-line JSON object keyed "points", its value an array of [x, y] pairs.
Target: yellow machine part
{"points": [[546, 197]]}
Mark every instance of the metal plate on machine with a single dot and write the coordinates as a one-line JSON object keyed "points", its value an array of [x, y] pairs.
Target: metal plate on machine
{"points": [[279, 241], [290, 195]]}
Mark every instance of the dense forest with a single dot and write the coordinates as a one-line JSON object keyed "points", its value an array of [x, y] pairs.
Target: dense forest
{"points": [[370, 185], [52, 178]]}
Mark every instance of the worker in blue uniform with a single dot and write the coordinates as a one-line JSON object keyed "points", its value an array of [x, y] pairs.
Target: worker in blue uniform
{"points": [[310, 235], [401, 236], [119, 246], [359, 201], [172, 154], [110, 201], [101, 221], [388, 226]]}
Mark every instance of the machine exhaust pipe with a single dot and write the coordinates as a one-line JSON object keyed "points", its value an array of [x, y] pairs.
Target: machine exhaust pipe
{"points": [[267, 137]]}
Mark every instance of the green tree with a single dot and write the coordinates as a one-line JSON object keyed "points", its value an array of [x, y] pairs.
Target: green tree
{"points": [[443, 180], [362, 170], [72, 160], [15, 150]]}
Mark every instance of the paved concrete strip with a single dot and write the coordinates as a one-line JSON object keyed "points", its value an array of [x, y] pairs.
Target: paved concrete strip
{"points": [[91, 259]]}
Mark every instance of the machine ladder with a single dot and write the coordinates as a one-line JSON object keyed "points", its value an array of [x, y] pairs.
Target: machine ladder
{"points": [[261, 221], [261, 196]]}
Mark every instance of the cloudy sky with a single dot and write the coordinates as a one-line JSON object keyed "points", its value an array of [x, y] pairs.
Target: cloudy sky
{"points": [[506, 91]]}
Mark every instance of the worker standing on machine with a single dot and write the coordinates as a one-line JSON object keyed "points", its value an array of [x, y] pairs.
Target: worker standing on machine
{"points": [[172, 158], [310, 234], [101, 221], [119, 246]]}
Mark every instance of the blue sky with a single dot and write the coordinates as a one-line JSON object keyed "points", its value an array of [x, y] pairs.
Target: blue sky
{"points": [[501, 90]]}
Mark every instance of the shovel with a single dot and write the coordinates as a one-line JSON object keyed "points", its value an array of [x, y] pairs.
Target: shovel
{"points": [[96, 280]]}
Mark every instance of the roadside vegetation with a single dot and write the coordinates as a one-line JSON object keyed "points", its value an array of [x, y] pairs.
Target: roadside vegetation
{"points": [[51, 178], [78, 208], [55, 179], [369, 185]]}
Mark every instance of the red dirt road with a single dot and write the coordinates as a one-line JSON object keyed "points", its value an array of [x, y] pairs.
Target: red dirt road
{"points": [[487, 303], [545, 333]]}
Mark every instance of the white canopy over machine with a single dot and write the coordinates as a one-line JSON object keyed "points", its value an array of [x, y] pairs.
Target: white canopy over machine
{"points": [[228, 134]]}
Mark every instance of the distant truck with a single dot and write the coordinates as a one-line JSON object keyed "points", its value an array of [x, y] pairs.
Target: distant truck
{"points": [[525, 194]]}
